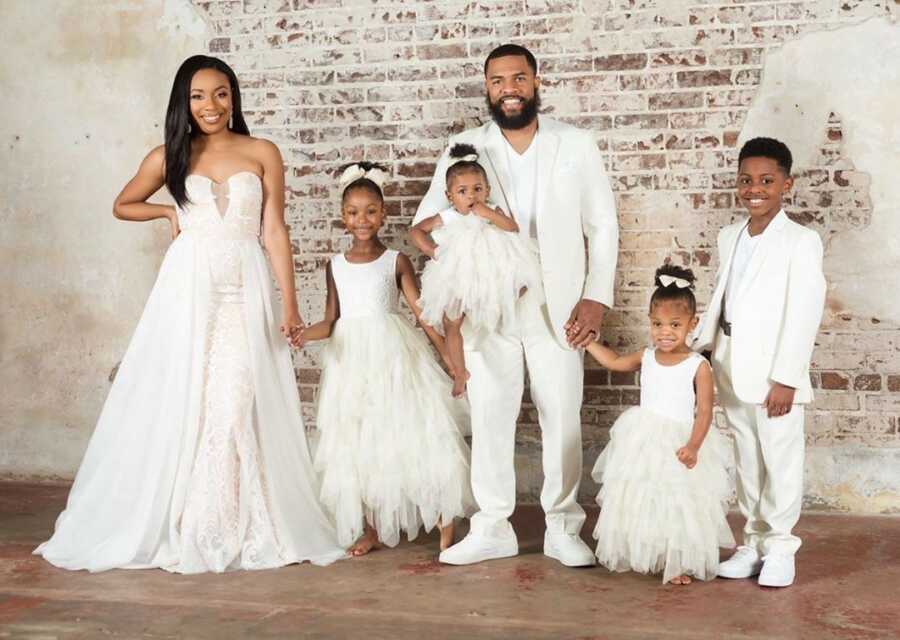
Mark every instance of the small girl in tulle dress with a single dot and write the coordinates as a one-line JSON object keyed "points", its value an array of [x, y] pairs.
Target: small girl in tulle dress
{"points": [[390, 452], [663, 497], [480, 264]]}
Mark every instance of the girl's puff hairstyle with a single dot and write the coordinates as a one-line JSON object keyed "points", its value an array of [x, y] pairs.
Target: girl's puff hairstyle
{"points": [[363, 175], [181, 128], [673, 284], [463, 158]]}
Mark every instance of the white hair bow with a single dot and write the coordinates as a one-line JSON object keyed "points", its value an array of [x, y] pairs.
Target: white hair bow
{"points": [[681, 283], [472, 157], [355, 172]]}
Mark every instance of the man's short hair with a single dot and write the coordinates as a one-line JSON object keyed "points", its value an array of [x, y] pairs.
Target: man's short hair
{"points": [[505, 50]]}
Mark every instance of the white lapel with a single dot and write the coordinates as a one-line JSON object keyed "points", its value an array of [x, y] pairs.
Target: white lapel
{"points": [[547, 151], [496, 164], [722, 283], [768, 240]]}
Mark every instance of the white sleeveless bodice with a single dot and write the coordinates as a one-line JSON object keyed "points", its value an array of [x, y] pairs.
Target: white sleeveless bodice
{"points": [[669, 390], [366, 289]]}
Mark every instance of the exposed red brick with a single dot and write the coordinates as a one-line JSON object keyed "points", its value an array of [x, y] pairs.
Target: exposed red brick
{"points": [[833, 380], [867, 382]]}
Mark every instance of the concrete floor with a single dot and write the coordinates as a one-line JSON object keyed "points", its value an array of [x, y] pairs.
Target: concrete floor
{"points": [[847, 588]]}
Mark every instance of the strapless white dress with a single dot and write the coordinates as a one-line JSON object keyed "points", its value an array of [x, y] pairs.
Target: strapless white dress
{"points": [[199, 460]]}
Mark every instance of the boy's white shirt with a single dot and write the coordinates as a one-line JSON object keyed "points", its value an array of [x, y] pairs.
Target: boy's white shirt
{"points": [[778, 308], [574, 202]]}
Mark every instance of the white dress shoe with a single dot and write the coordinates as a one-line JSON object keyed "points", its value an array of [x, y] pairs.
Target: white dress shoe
{"points": [[569, 549], [745, 563], [777, 571], [477, 547]]}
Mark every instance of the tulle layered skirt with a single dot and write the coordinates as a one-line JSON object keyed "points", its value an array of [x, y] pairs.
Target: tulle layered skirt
{"points": [[478, 270], [658, 516], [390, 450]]}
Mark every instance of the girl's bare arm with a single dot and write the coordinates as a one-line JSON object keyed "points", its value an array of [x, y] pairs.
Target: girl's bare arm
{"points": [[612, 360], [322, 329], [420, 235]]}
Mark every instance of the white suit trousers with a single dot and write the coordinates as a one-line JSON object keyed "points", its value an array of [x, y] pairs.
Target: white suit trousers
{"points": [[769, 458], [496, 363]]}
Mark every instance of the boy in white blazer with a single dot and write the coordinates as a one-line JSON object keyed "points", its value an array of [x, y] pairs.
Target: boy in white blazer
{"points": [[761, 324], [550, 177]]}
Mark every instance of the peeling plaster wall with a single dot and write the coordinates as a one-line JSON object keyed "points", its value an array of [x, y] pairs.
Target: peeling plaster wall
{"points": [[85, 87], [670, 89], [846, 81]]}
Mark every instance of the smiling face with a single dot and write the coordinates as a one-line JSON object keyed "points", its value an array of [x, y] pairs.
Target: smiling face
{"points": [[466, 189], [670, 323], [512, 91], [761, 185], [362, 212], [210, 100]]}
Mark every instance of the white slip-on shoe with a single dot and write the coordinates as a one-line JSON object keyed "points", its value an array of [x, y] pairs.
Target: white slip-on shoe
{"points": [[745, 563], [477, 547], [778, 571], [569, 549]]}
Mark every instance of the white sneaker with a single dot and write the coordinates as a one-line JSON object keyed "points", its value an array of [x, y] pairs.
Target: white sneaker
{"points": [[569, 549], [477, 547], [777, 571], [745, 563]]}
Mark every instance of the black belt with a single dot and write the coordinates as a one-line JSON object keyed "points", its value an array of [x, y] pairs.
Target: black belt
{"points": [[724, 326]]}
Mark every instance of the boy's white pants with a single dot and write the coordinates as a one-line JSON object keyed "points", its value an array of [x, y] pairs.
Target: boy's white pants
{"points": [[496, 363], [769, 459]]}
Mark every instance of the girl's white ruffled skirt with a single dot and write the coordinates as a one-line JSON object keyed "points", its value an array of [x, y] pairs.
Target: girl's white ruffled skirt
{"points": [[656, 514], [390, 448], [478, 270]]}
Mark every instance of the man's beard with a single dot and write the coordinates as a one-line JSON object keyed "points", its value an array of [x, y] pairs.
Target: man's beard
{"points": [[519, 121]]}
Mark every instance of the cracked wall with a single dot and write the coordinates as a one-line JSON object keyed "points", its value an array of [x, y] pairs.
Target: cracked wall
{"points": [[85, 86], [670, 89]]}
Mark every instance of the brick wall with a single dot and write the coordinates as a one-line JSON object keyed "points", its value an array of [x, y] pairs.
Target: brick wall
{"points": [[665, 86]]}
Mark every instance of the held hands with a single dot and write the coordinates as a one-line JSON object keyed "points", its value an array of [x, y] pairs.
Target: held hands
{"points": [[779, 400], [292, 328], [583, 326], [687, 455]]}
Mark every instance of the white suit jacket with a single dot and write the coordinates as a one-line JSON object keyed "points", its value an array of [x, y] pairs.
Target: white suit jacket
{"points": [[777, 311], [574, 202]]}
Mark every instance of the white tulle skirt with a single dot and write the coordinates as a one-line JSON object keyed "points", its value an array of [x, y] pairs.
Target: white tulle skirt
{"points": [[390, 449], [478, 270], [658, 516]]}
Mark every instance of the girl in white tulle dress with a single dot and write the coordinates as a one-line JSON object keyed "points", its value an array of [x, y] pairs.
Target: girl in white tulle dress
{"points": [[664, 486], [391, 453], [480, 264]]}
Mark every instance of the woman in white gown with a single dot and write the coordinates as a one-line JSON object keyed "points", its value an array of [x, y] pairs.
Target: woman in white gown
{"points": [[199, 460]]}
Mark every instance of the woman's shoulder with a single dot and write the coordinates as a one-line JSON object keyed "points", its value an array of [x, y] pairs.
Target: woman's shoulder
{"points": [[261, 148]]}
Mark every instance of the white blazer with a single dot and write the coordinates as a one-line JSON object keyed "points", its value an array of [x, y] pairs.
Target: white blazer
{"points": [[777, 312], [574, 202]]}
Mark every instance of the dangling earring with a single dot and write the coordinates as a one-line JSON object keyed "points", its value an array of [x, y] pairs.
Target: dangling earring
{"points": [[189, 128], [231, 121]]}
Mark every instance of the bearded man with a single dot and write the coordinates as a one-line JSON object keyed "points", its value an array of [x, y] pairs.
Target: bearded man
{"points": [[550, 177]]}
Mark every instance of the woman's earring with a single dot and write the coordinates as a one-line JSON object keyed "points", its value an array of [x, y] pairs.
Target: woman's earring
{"points": [[189, 127], [231, 121]]}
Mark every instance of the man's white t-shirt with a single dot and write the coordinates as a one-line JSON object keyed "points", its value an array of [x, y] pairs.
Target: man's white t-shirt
{"points": [[743, 252], [523, 170]]}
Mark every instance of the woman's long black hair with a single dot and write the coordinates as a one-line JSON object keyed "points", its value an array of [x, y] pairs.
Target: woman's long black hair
{"points": [[181, 126]]}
